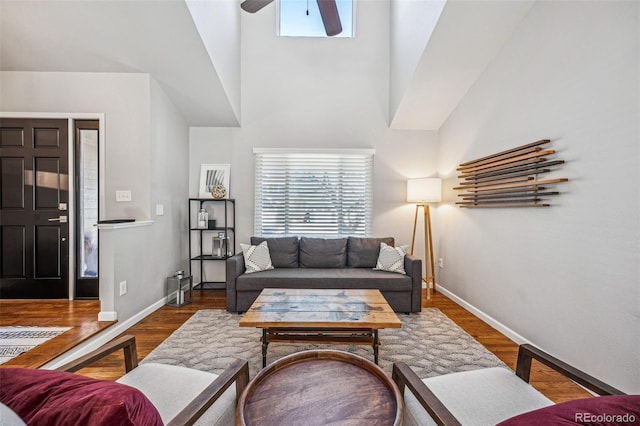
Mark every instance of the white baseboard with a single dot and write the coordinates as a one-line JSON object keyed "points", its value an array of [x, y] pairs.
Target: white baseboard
{"points": [[108, 316], [519, 339], [105, 336]]}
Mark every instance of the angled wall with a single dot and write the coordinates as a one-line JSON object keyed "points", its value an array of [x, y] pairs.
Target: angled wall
{"points": [[566, 278]]}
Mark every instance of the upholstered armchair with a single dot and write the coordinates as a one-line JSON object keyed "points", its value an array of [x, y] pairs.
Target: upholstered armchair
{"points": [[493, 395], [148, 393]]}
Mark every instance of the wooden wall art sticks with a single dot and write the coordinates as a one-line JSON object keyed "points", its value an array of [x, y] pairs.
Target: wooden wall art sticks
{"points": [[509, 178]]}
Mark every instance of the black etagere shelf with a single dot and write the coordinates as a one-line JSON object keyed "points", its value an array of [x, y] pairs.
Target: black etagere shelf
{"points": [[224, 223]]}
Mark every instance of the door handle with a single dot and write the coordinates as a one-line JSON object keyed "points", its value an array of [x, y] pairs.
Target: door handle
{"points": [[61, 219]]}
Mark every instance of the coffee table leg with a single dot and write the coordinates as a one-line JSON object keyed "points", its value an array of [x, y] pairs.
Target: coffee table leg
{"points": [[376, 343], [264, 347]]}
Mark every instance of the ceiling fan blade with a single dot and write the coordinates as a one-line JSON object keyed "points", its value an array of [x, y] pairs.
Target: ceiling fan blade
{"points": [[252, 6], [330, 17]]}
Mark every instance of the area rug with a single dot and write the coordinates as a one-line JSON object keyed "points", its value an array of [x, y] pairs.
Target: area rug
{"points": [[429, 342], [17, 340]]}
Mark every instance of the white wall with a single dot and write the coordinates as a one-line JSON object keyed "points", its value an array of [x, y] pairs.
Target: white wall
{"points": [[310, 93], [146, 152], [124, 98], [566, 277]]}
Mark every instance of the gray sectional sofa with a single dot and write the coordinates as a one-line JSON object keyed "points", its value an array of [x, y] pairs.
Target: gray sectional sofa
{"points": [[345, 263]]}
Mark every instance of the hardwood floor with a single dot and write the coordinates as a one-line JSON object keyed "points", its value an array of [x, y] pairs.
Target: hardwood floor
{"points": [[159, 325], [80, 315]]}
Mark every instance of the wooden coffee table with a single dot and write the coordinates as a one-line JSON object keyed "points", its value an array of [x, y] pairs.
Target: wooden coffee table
{"points": [[320, 387], [325, 316]]}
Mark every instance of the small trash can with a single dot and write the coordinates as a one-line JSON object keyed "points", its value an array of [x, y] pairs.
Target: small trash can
{"points": [[179, 289]]}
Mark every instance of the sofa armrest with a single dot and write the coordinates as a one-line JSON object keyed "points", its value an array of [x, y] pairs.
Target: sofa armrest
{"points": [[234, 268], [237, 372], [413, 268], [403, 375], [126, 343], [527, 353]]}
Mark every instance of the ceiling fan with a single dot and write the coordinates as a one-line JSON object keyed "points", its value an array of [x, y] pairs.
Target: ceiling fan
{"points": [[328, 12]]}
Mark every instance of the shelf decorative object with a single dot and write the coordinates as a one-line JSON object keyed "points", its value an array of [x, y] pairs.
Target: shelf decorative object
{"points": [[214, 181], [509, 178], [218, 192]]}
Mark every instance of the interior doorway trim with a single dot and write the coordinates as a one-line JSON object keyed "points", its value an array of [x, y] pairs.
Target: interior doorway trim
{"points": [[101, 182]]}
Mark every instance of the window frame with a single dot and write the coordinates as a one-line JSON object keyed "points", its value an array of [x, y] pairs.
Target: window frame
{"points": [[357, 162], [351, 24]]}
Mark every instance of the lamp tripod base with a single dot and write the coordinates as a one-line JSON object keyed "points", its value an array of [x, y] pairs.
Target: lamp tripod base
{"points": [[430, 280]]}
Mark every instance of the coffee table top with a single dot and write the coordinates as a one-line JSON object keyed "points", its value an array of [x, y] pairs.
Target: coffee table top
{"points": [[320, 387], [320, 308]]}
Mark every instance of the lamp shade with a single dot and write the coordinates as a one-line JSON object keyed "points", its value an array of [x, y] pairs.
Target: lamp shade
{"points": [[424, 190]]}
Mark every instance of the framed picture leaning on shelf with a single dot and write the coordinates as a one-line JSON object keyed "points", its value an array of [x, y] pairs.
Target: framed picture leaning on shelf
{"points": [[214, 181]]}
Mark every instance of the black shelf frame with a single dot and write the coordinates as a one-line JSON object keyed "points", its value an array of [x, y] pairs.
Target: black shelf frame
{"points": [[229, 231]]}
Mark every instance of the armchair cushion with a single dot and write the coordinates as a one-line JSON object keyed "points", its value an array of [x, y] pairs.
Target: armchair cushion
{"points": [[45, 397], [170, 388], [8, 417], [485, 396], [602, 410]]}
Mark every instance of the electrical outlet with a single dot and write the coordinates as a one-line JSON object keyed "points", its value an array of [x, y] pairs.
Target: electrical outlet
{"points": [[159, 209], [124, 195], [123, 288], [440, 262]]}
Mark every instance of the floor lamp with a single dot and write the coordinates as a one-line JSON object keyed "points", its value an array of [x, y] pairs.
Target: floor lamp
{"points": [[422, 191]]}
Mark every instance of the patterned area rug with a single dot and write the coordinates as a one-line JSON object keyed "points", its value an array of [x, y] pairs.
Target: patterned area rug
{"points": [[17, 340], [429, 342]]}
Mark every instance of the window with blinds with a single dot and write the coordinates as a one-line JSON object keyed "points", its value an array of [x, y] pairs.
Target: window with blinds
{"points": [[323, 193]]}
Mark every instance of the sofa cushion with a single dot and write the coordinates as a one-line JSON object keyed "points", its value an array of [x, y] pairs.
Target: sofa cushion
{"points": [[597, 411], [172, 387], [283, 250], [323, 252], [351, 278], [363, 252], [46, 397], [479, 397], [256, 258], [391, 259]]}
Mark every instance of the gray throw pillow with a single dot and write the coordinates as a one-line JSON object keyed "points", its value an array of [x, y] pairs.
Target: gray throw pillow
{"points": [[323, 252], [363, 252], [283, 250]]}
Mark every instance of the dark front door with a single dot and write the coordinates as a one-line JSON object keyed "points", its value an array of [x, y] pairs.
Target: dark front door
{"points": [[34, 200]]}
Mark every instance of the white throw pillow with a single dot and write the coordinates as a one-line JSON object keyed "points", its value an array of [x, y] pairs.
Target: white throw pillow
{"points": [[256, 258], [391, 259]]}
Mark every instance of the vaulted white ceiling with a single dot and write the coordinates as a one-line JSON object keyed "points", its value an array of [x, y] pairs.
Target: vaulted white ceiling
{"points": [[155, 37], [459, 38], [192, 48]]}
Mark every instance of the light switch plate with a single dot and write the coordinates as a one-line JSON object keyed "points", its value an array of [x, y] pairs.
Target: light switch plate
{"points": [[123, 195]]}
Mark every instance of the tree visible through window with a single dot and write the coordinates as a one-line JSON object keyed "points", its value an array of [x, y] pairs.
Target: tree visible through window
{"points": [[319, 193]]}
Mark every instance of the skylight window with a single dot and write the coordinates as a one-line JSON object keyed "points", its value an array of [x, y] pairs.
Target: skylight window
{"points": [[301, 18]]}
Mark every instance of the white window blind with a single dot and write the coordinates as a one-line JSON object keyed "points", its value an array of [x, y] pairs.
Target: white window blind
{"points": [[313, 193]]}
